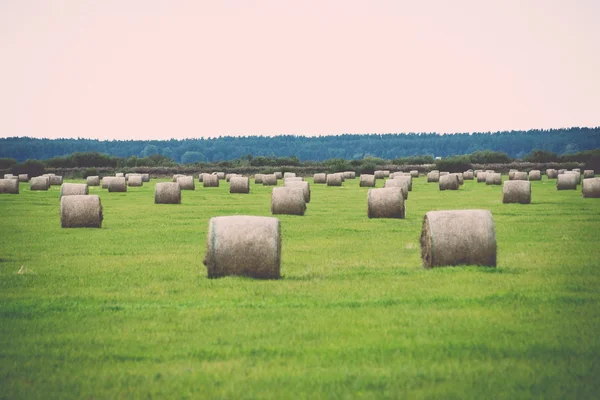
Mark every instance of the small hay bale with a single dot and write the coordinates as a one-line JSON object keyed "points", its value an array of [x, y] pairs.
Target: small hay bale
{"points": [[367, 180], [468, 175], [588, 173], [404, 177], [433, 176], [459, 175], [414, 173], [220, 175], [349, 174], [136, 180], [458, 237], [444, 173], [210, 180], [511, 174], [229, 176], [566, 182], [92, 180], [576, 174], [73, 189], [591, 188], [258, 178], [56, 180], [293, 178], [289, 175], [379, 174], [167, 193], [386, 203], [320, 178], [288, 200], [334, 180], [535, 175], [176, 176], [476, 172], [386, 173], [145, 177], [269, 180], [520, 176], [49, 175], [449, 182], [243, 246], [516, 191], [493, 178], [120, 175], [341, 174], [404, 182], [201, 176], [551, 173], [279, 175], [577, 170], [301, 185], [10, 176], [561, 171], [117, 185], [186, 182], [106, 181], [9, 186], [23, 178], [490, 171], [81, 211], [239, 184], [481, 177], [39, 183]]}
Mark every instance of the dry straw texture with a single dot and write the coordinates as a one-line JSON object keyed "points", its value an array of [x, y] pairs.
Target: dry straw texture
{"points": [[23, 178], [106, 181], [349, 175], [566, 182], [551, 173], [39, 183], [577, 170], [120, 175], [320, 178], [210, 180], [493, 178], [405, 177], [414, 173], [73, 189], [136, 180], [229, 176], [288, 200], [588, 173], [468, 175], [449, 182], [258, 178], [300, 185], [10, 176], [561, 171], [81, 211], [220, 175], [576, 174], [386, 203], [293, 178], [379, 174], [458, 237], [516, 192], [167, 193], [56, 180], [591, 187], [176, 176], [186, 183], [403, 182], [289, 175], [520, 176], [92, 181], [145, 177], [239, 184], [476, 172], [279, 175], [334, 180], [117, 185], [459, 175], [535, 175], [481, 176], [511, 174], [269, 180], [9, 186], [443, 173], [367, 180], [433, 176], [243, 246], [201, 176]]}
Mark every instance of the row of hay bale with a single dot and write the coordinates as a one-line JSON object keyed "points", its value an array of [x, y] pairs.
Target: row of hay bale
{"points": [[20, 177]]}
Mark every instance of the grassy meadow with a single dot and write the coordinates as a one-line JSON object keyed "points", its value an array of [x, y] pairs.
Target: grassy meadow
{"points": [[127, 311]]}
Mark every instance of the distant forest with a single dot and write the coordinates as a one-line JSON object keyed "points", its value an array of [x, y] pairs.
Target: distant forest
{"points": [[515, 144]]}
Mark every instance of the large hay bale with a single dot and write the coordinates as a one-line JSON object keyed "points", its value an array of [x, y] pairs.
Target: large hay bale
{"points": [[258, 178], [481, 177], [23, 178], [433, 176], [269, 180], [278, 175], [117, 185], [145, 177], [136, 180], [300, 185], [459, 175], [520, 176], [535, 175], [9, 186], [243, 246], [334, 180], [81, 211], [516, 192], [566, 182], [367, 180], [92, 180], [176, 176], [349, 174], [56, 180], [551, 173], [588, 173], [167, 193], [379, 174], [591, 188], [39, 183], [289, 175], [288, 200], [458, 237], [387, 202], [186, 182], [414, 173], [73, 189], [239, 184], [120, 175], [493, 178], [468, 175], [576, 174], [320, 178], [210, 180], [449, 182]]}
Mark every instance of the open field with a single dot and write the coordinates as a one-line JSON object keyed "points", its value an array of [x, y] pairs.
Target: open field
{"points": [[126, 311]]}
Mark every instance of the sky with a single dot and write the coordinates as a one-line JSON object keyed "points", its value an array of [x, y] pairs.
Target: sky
{"points": [[161, 69]]}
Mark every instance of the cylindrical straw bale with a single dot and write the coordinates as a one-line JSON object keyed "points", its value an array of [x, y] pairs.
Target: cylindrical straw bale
{"points": [[511, 174], [341, 174], [367, 180], [379, 174], [243, 246], [566, 182], [334, 180], [167, 193], [577, 170], [561, 171], [239, 184], [127, 176], [56, 180], [535, 175], [176, 176], [349, 175], [288, 200], [414, 173], [576, 174], [551, 173], [145, 177], [92, 181], [449, 182], [135, 180], [117, 185], [477, 171], [201, 176], [588, 173], [106, 181], [293, 178], [258, 178], [301, 185], [25, 178], [444, 173], [481, 176], [459, 175], [220, 175], [48, 175], [10, 176], [279, 175], [81, 211], [520, 176], [386, 203], [490, 171], [39, 183], [433, 176], [120, 175], [493, 178], [386, 173], [458, 237], [320, 178], [405, 177], [73, 189], [468, 175], [186, 182], [516, 191], [591, 187], [401, 181], [289, 175], [229, 176], [269, 180], [210, 180], [9, 186]]}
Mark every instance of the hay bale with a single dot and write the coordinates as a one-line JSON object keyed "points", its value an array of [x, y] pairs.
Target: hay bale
{"points": [[145, 177], [320, 178], [56, 180], [186, 182], [576, 174], [269, 180], [458, 237], [200, 176], [10, 176], [405, 177], [23, 178], [300, 185], [92, 181], [387, 202], [535, 175], [176, 176], [293, 178], [39, 183], [379, 174], [136, 180], [81, 211], [449, 182], [443, 173], [459, 175], [520, 176], [289, 175], [561, 171], [279, 175], [229, 176], [493, 178], [511, 174], [349, 174], [551, 173], [243, 246], [288, 200], [106, 181], [414, 173], [167, 193], [566, 182], [490, 171], [591, 188], [210, 180], [9, 186], [73, 189], [577, 170], [120, 175], [334, 180], [476, 172], [468, 175], [367, 180], [588, 173], [117, 185], [517, 191], [481, 177], [220, 175], [433, 176], [401, 182], [239, 184], [258, 178]]}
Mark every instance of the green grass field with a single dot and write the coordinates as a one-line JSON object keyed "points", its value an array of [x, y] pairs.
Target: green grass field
{"points": [[126, 311]]}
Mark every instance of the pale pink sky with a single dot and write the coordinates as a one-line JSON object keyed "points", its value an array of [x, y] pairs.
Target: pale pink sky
{"points": [[160, 69]]}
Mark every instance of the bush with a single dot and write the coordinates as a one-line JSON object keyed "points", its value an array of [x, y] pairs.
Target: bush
{"points": [[454, 164], [541, 156], [29, 167], [90, 172], [6, 163], [489, 157]]}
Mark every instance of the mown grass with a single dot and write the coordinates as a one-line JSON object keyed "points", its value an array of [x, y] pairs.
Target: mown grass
{"points": [[126, 311]]}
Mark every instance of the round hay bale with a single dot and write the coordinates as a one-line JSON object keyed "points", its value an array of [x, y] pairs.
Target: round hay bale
{"points": [[449, 182], [490, 171], [387, 202], [493, 178], [444, 173], [405, 177], [258, 178], [176, 176], [278, 175], [367, 180], [334, 180], [476, 172], [591, 188], [511, 174], [186, 182], [92, 181], [433, 176], [106, 181], [341, 174], [468, 175], [588, 173], [458, 237], [81, 211], [239, 184], [561, 171], [10, 176], [576, 174], [220, 175], [481, 177], [201, 176], [73, 189], [289, 175], [300, 185], [516, 192], [459, 175], [145, 177], [136, 180], [293, 178], [23, 178], [56, 180], [117, 185], [269, 180], [414, 173], [379, 174], [577, 170], [39, 183], [229, 176], [120, 175], [48, 175], [403, 182], [9, 186], [210, 180], [520, 176], [535, 175], [243, 246], [551, 173], [566, 182], [349, 174], [320, 178], [288, 200], [386, 173], [167, 193]]}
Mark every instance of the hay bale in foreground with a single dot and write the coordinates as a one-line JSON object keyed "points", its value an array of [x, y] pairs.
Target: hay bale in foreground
{"points": [[81, 211], [9, 186], [186, 182], [269, 180], [493, 178], [551, 173], [56, 180], [258, 178], [117, 185], [247, 246], [239, 184], [25, 178], [210, 180], [387, 202], [305, 186], [588, 173], [566, 182], [449, 182], [367, 180], [433, 176], [136, 180], [591, 188], [535, 175], [73, 189], [92, 180], [458, 237], [516, 192], [334, 180], [288, 200], [349, 174], [167, 193], [320, 178], [520, 176], [39, 183]]}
